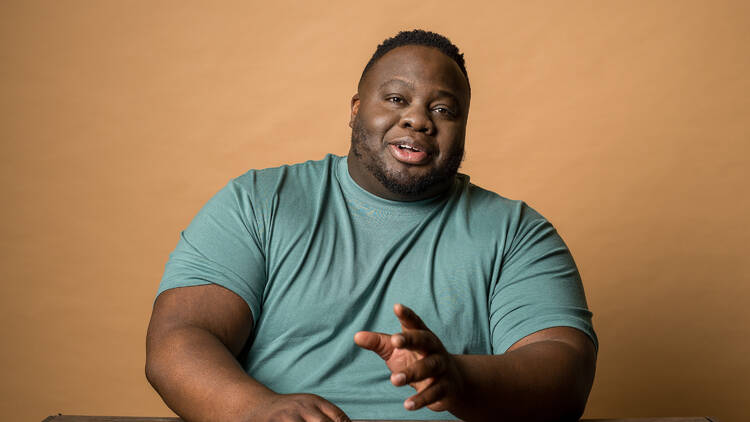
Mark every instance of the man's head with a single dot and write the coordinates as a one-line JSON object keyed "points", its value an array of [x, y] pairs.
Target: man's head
{"points": [[408, 117], [419, 37]]}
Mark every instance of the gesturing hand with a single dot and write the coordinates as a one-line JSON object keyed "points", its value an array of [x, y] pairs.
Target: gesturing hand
{"points": [[416, 356]]}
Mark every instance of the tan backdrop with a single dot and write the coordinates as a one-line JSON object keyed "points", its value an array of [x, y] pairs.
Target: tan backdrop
{"points": [[625, 123]]}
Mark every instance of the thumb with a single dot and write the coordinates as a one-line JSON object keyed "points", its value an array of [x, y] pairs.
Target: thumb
{"points": [[377, 342]]}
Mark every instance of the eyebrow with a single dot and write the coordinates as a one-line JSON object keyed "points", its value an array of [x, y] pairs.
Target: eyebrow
{"points": [[410, 85], [444, 93]]}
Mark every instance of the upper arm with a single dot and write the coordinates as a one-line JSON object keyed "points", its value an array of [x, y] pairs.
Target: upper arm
{"points": [[209, 307], [538, 286], [215, 277], [222, 246], [572, 337]]}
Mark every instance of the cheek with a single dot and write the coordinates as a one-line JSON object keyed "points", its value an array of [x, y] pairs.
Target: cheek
{"points": [[378, 121], [451, 136], [381, 124], [453, 140]]}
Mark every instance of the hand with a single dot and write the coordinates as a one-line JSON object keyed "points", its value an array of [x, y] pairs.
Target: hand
{"points": [[416, 356], [299, 408]]}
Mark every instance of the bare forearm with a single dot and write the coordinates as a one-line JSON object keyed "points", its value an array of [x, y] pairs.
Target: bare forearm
{"points": [[199, 378], [543, 381]]}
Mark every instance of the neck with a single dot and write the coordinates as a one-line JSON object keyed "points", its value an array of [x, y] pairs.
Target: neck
{"points": [[369, 182]]}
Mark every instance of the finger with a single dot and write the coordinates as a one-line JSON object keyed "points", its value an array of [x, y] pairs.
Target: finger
{"points": [[418, 340], [430, 367], [435, 392], [311, 415], [333, 412], [408, 318], [377, 342]]}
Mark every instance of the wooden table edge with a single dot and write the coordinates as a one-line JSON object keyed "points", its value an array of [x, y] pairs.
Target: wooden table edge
{"points": [[82, 418]]}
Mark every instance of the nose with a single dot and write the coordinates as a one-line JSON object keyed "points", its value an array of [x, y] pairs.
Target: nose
{"points": [[417, 119]]}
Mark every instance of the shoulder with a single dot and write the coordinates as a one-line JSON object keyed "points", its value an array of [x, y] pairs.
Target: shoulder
{"points": [[485, 203], [301, 177], [497, 220], [307, 169]]}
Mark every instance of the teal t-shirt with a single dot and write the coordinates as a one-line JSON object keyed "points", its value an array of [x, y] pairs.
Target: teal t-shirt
{"points": [[317, 258]]}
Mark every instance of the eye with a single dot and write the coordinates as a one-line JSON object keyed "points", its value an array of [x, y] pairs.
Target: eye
{"points": [[395, 99], [444, 110]]}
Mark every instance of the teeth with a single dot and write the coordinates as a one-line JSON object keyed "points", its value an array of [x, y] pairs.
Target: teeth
{"points": [[407, 147]]}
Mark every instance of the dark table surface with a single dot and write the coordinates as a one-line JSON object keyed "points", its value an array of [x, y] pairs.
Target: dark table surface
{"points": [[75, 418]]}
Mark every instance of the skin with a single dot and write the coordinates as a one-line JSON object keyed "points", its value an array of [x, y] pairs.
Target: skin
{"points": [[415, 94], [192, 344], [554, 366], [196, 333]]}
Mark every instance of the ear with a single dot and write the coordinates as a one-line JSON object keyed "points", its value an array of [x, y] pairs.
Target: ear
{"points": [[355, 109]]}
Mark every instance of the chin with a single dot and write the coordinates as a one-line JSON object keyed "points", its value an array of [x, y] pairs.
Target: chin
{"points": [[411, 185]]}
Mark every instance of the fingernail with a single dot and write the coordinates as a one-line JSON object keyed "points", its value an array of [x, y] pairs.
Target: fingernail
{"points": [[409, 404], [399, 378]]}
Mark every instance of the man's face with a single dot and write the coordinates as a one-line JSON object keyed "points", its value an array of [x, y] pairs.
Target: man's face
{"points": [[409, 124]]}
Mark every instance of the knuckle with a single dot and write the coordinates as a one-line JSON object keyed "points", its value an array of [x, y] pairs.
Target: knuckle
{"points": [[427, 367], [408, 338], [438, 406], [281, 415], [438, 364], [435, 342], [431, 363], [413, 372]]}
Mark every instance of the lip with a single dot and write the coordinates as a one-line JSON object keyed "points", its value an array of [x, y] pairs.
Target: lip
{"points": [[416, 154]]}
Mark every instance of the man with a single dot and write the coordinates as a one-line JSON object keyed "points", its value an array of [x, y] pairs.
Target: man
{"points": [[469, 298]]}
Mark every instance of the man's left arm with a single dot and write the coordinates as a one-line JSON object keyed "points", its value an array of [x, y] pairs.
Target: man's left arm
{"points": [[546, 376]]}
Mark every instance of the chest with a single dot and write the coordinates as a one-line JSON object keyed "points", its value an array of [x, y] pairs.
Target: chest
{"points": [[342, 271]]}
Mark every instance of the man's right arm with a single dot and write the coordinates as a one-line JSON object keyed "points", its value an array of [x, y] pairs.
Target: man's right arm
{"points": [[193, 339]]}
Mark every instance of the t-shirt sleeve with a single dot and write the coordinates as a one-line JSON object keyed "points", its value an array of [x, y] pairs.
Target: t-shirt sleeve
{"points": [[222, 245], [539, 285]]}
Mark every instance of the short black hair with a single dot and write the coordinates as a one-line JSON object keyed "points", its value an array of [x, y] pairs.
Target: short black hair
{"points": [[419, 37]]}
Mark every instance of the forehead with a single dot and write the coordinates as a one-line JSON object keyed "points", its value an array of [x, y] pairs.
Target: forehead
{"points": [[419, 66]]}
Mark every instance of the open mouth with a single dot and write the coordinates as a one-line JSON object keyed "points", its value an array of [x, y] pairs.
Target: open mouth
{"points": [[408, 154]]}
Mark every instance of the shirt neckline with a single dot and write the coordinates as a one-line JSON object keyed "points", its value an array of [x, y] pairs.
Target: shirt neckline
{"points": [[362, 197]]}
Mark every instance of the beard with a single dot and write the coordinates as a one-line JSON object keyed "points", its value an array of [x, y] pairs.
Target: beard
{"points": [[401, 182]]}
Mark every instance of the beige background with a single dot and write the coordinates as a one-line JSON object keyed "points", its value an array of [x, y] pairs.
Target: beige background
{"points": [[626, 123]]}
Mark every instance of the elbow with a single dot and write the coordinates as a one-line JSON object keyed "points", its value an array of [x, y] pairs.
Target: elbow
{"points": [[582, 377], [568, 409], [574, 395], [154, 367], [574, 413], [157, 372], [576, 402], [150, 370]]}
